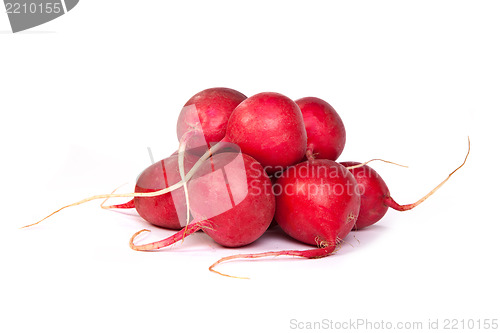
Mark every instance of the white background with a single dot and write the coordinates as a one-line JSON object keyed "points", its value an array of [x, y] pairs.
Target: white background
{"points": [[84, 96]]}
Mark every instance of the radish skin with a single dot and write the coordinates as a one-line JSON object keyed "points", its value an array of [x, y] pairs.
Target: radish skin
{"points": [[326, 135], [269, 127], [207, 113], [232, 202], [317, 202]]}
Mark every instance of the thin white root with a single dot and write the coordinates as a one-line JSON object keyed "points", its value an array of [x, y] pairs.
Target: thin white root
{"points": [[375, 159], [169, 189], [182, 151]]}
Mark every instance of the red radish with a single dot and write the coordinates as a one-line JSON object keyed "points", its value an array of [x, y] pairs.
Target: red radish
{"points": [[267, 126], [375, 196], [325, 130], [270, 128], [232, 201], [167, 210], [317, 203], [202, 122], [207, 113]]}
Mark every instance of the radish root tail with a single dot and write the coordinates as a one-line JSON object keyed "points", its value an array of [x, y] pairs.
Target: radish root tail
{"points": [[126, 205], [129, 204], [104, 196], [178, 236], [308, 254], [134, 236], [169, 189], [389, 201], [372, 160]]}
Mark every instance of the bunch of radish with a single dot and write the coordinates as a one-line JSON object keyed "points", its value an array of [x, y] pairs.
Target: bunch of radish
{"points": [[244, 162]]}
